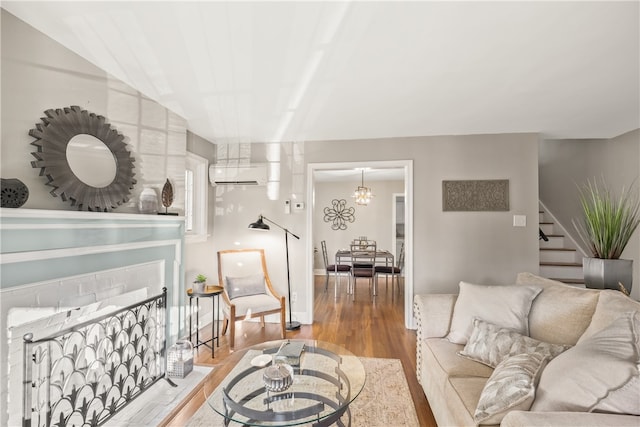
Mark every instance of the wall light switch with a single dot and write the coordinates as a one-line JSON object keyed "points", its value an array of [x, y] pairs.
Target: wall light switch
{"points": [[287, 206], [298, 206], [519, 220]]}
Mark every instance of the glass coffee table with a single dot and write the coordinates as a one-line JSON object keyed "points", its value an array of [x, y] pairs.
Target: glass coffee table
{"points": [[327, 379]]}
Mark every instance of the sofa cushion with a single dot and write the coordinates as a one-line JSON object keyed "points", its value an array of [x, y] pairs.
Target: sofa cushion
{"points": [[439, 361], [505, 306], [598, 374], [610, 304], [445, 354], [560, 313], [462, 395], [491, 344], [512, 386]]}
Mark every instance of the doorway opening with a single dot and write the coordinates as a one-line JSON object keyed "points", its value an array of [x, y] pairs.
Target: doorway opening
{"points": [[405, 169]]}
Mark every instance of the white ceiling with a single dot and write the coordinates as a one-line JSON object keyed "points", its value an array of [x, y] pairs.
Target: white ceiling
{"points": [[302, 71]]}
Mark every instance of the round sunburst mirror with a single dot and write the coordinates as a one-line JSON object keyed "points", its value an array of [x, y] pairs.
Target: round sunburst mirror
{"points": [[84, 159]]}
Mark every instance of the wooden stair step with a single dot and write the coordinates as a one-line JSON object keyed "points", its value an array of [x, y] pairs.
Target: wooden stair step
{"points": [[561, 264], [558, 249]]}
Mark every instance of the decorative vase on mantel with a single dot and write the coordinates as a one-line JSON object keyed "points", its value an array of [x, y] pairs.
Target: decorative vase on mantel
{"points": [[148, 201], [602, 273]]}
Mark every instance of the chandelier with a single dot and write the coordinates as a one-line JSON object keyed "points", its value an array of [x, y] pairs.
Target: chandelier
{"points": [[362, 194]]}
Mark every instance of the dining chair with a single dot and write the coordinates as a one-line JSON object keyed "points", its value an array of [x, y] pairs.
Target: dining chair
{"points": [[248, 291], [392, 270], [337, 269], [364, 244], [363, 263]]}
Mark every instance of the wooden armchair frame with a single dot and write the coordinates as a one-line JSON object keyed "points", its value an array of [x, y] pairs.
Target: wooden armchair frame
{"points": [[233, 314]]}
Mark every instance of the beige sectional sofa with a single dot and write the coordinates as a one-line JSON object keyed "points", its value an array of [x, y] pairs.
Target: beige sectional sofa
{"points": [[560, 314]]}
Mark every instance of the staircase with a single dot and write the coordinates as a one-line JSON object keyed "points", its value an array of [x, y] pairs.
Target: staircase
{"points": [[559, 259]]}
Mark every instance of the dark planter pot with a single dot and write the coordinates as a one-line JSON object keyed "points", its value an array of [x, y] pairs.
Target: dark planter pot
{"points": [[607, 273]]}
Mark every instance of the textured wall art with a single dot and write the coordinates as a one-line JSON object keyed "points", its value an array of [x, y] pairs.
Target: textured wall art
{"points": [[475, 195], [339, 214]]}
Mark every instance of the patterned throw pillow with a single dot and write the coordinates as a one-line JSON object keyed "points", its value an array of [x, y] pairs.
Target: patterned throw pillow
{"points": [[490, 344], [245, 286], [512, 386]]}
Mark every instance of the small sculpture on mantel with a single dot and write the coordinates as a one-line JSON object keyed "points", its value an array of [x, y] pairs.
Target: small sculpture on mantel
{"points": [[167, 198]]}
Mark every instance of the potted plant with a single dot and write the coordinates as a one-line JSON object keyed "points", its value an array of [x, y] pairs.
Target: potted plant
{"points": [[200, 283], [607, 226]]}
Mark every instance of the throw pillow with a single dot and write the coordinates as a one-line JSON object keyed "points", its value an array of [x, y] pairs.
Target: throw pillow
{"points": [[561, 313], [610, 304], [245, 286], [505, 306], [490, 344], [512, 386], [599, 374]]}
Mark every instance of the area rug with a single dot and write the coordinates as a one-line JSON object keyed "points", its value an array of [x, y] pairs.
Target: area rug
{"points": [[384, 401]]}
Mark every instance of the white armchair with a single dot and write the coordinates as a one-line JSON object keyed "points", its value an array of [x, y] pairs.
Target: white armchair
{"points": [[247, 289]]}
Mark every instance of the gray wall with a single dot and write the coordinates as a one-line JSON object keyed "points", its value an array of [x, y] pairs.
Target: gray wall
{"points": [[567, 164], [480, 247]]}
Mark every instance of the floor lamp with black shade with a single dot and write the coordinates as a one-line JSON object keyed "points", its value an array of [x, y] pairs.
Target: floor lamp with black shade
{"points": [[260, 225]]}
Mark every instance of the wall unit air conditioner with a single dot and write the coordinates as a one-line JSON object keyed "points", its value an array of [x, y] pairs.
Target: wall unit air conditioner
{"points": [[226, 174]]}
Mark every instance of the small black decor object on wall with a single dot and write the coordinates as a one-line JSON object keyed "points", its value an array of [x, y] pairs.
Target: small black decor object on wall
{"points": [[14, 192], [339, 214], [84, 159], [475, 195], [167, 198]]}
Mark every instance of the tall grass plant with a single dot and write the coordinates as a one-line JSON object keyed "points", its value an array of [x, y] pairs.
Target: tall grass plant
{"points": [[609, 220]]}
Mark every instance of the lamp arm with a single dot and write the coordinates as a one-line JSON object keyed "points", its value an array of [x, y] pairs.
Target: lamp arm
{"points": [[279, 226]]}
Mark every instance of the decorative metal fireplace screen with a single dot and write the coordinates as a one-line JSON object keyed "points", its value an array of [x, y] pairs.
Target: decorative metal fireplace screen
{"points": [[85, 374]]}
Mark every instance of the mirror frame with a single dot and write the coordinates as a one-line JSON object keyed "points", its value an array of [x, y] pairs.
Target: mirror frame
{"points": [[53, 136]]}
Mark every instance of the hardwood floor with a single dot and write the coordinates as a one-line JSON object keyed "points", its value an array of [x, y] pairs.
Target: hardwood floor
{"points": [[366, 328]]}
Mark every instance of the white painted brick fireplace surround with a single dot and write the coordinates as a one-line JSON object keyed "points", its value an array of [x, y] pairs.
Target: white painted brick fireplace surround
{"points": [[61, 267]]}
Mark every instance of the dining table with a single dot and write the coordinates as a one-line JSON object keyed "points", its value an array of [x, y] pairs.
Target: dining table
{"points": [[382, 257]]}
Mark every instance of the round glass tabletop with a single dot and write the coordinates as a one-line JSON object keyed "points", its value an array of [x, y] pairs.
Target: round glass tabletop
{"points": [[326, 379]]}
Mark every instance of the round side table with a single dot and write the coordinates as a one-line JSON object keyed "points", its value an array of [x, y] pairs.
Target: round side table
{"points": [[213, 292]]}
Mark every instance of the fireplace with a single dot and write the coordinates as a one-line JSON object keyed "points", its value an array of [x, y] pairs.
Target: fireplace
{"points": [[61, 268], [86, 373]]}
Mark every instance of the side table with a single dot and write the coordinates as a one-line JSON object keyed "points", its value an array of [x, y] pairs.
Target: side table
{"points": [[212, 292]]}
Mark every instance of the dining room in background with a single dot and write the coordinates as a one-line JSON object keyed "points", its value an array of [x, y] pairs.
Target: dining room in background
{"points": [[377, 221]]}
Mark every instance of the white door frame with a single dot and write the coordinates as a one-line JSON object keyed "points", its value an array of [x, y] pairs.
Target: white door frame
{"points": [[407, 166], [394, 240]]}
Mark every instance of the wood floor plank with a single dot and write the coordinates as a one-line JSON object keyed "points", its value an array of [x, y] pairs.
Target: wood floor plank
{"points": [[367, 327]]}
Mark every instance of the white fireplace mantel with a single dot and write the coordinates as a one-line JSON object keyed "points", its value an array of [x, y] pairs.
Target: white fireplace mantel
{"points": [[60, 258]]}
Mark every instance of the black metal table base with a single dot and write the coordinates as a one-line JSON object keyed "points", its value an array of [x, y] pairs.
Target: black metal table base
{"points": [[215, 325]]}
